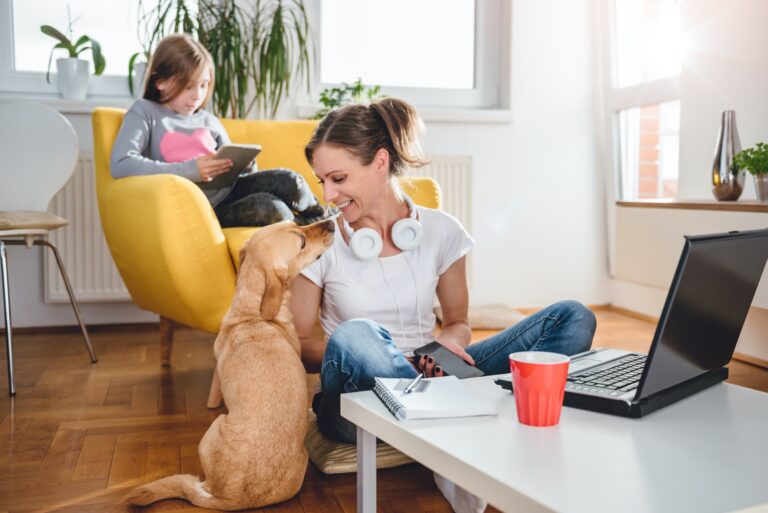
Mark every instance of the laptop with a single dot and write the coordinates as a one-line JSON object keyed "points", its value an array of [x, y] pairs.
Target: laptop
{"points": [[705, 310]]}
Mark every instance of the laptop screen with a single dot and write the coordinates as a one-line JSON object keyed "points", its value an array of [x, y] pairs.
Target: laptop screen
{"points": [[706, 307]]}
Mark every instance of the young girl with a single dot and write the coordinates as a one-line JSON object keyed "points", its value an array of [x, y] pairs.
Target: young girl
{"points": [[168, 132]]}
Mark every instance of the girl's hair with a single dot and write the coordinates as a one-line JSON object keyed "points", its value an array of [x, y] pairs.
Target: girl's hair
{"points": [[177, 58], [363, 130]]}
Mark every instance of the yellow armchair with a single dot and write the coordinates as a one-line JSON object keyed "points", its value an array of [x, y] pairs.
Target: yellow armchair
{"points": [[167, 244]]}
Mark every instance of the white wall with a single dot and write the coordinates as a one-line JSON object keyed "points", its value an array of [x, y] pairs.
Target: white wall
{"points": [[539, 214], [539, 219], [726, 68]]}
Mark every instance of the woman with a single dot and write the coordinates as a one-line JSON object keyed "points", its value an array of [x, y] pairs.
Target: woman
{"points": [[375, 308], [376, 311]]}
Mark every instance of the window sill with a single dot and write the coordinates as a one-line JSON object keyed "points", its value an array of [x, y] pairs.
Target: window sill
{"points": [[440, 114], [731, 206], [70, 106], [428, 114]]}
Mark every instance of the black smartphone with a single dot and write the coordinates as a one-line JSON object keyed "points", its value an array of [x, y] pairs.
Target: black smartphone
{"points": [[450, 362]]}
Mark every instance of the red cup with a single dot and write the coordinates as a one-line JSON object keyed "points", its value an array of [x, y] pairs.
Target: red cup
{"points": [[539, 379]]}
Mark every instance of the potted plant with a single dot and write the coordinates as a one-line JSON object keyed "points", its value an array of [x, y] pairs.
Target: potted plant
{"points": [[258, 48], [357, 92], [755, 160], [164, 18], [72, 72]]}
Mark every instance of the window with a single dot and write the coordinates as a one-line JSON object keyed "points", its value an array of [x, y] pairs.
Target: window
{"points": [[443, 60], [430, 52], [648, 41], [103, 21], [644, 96], [649, 140], [24, 50]]}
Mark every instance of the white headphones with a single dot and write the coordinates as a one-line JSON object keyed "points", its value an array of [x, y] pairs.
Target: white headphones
{"points": [[406, 234]]}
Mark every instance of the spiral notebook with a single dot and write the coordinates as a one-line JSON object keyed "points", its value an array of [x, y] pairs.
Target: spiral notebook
{"points": [[433, 398]]}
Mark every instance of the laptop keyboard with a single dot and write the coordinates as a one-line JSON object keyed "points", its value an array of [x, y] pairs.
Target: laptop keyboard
{"points": [[619, 377]]}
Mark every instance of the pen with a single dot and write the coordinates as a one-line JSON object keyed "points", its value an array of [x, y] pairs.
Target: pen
{"points": [[408, 389]]}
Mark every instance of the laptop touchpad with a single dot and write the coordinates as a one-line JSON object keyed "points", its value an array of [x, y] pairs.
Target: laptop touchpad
{"points": [[583, 363]]}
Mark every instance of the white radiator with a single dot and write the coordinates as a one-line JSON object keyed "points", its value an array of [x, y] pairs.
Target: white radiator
{"points": [[89, 264], [454, 174]]}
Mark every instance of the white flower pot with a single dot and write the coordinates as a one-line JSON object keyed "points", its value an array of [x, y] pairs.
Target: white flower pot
{"points": [[761, 187], [139, 69], [72, 78]]}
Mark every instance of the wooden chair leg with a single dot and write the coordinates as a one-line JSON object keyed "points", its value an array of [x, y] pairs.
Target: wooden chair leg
{"points": [[167, 327], [215, 396]]}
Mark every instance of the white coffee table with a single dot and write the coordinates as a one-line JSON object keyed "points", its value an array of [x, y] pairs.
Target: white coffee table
{"points": [[706, 453]]}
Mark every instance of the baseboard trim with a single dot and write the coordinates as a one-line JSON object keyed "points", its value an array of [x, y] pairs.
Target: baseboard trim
{"points": [[750, 360], [633, 314], [594, 308], [92, 328]]}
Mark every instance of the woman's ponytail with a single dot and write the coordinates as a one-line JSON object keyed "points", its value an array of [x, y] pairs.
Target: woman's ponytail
{"points": [[390, 123]]}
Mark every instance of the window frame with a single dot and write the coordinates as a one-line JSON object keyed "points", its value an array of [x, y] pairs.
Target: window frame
{"points": [[494, 48], [492, 71], [613, 99]]}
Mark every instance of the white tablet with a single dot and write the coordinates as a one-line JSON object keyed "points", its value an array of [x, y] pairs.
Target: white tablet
{"points": [[241, 155]]}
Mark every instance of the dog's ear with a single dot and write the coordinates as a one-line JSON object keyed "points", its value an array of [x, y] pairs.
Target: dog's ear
{"points": [[274, 291], [241, 257]]}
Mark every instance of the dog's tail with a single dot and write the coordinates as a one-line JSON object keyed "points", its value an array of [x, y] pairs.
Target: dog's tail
{"points": [[181, 486]]}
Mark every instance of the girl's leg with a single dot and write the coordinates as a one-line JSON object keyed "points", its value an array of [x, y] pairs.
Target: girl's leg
{"points": [[357, 351], [258, 209], [566, 327], [287, 185]]}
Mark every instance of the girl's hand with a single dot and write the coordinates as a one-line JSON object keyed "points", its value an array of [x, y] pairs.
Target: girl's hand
{"points": [[210, 168]]}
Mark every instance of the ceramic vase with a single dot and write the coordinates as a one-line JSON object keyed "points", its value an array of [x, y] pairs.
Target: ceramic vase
{"points": [[139, 69], [72, 78], [727, 181]]}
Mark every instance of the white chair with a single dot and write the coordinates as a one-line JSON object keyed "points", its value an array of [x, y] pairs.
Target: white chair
{"points": [[38, 153]]}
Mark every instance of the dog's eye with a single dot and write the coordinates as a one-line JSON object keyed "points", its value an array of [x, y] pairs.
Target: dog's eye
{"points": [[303, 242]]}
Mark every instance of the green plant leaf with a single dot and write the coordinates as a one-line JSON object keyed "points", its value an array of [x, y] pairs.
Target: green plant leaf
{"points": [[56, 34], [99, 62], [357, 92], [50, 58], [754, 159], [132, 70]]}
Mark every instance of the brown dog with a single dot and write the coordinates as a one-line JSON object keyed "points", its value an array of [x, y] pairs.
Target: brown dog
{"points": [[254, 455]]}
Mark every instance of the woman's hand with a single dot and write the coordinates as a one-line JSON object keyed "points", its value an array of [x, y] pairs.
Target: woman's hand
{"points": [[429, 367], [210, 167]]}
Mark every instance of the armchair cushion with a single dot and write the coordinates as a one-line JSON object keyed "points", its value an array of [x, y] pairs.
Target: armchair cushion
{"points": [[236, 239]]}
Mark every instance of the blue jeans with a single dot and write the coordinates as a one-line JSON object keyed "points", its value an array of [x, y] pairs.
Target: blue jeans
{"points": [[359, 350]]}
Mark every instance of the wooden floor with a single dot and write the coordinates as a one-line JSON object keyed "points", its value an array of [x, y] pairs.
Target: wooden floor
{"points": [[77, 436]]}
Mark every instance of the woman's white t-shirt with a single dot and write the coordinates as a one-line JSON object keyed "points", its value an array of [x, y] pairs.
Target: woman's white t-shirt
{"points": [[386, 289]]}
